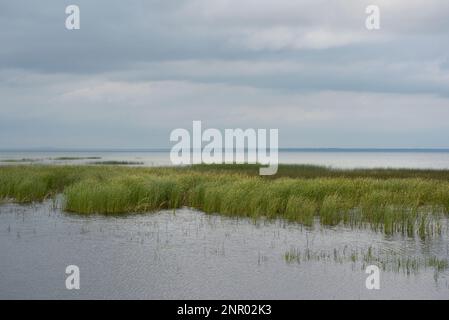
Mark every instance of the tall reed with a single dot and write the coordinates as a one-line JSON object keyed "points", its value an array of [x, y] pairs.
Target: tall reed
{"points": [[411, 205]]}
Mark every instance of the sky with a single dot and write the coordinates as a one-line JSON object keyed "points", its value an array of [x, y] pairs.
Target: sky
{"points": [[137, 70]]}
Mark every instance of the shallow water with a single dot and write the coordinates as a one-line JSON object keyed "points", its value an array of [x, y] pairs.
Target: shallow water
{"points": [[191, 255], [339, 159]]}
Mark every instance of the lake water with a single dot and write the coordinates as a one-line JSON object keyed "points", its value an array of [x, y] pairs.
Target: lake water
{"points": [[191, 255], [435, 159]]}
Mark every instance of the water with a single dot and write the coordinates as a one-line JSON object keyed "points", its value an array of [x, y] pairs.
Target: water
{"points": [[423, 159], [191, 255]]}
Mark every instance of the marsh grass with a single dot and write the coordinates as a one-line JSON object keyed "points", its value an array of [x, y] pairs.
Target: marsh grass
{"points": [[386, 260], [300, 209], [412, 206], [306, 171]]}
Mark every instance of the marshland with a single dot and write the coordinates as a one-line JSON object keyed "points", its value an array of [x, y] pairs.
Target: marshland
{"points": [[196, 220], [389, 200]]}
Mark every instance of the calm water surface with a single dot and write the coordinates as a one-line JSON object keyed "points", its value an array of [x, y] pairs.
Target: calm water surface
{"points": [[338, 159], [191, 255]]}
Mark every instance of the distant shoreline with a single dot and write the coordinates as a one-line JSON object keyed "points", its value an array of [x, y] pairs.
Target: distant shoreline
{"points": [[159, 150]]}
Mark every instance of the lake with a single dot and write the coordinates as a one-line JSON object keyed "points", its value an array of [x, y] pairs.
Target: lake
{"points": [[190, 255], [338, 158]]}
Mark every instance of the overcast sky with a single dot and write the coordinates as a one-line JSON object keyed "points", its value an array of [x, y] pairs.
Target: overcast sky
{"points": [[136, 70]]}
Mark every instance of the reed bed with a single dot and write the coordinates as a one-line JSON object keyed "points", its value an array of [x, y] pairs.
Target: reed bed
{"points": [[305, 171], [412, 203]]}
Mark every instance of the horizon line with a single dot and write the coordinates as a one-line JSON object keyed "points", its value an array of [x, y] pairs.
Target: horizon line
{"points": [[282, 149]]}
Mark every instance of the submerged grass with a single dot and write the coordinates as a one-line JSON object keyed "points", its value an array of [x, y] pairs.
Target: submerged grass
{"points": [[411, 205], [386, 260]]}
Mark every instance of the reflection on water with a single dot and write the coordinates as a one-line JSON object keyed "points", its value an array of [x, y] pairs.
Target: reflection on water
{"points": [[188, 254]]}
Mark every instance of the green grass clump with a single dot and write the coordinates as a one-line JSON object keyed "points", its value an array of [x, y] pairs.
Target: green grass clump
{"points": [[129, 194], [332, 210], [300, 209], [409, 205]]}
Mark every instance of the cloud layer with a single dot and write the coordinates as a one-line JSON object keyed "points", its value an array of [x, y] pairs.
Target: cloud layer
{"points": [[137, 70]]}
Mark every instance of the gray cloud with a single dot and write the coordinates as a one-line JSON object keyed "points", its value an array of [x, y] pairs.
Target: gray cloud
{"points": [[137, 70]]}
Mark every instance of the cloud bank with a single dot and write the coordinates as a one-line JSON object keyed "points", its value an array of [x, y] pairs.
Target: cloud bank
{"points": [[137, 70]]}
